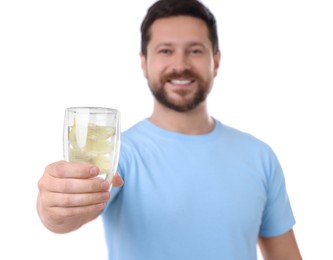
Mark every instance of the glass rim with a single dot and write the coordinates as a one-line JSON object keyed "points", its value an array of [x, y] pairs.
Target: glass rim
{"points": [[92, 109]]}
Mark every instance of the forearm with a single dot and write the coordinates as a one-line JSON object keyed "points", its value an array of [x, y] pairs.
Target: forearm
{"points": [[282, 247]]}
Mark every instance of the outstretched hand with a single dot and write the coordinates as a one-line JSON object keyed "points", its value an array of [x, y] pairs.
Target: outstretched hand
{"points": [[70, 195]]}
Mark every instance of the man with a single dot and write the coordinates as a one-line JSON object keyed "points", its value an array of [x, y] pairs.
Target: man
{"points": [[190, 187]]}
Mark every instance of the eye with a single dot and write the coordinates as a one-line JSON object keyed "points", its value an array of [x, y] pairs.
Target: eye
{"points": [[165, 51], [196, 51]]}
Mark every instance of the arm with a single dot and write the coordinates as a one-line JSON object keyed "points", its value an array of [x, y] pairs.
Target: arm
{"points": [[69, 195], [280, 247]]}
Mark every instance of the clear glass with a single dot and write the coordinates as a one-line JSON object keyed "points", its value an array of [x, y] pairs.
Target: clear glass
{"points": [[92, 135]]}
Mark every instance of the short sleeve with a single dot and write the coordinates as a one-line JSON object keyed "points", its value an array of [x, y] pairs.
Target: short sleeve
{"points": [[277, 217]]}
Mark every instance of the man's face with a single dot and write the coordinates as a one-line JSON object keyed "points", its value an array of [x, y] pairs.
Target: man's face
{"points": [[180, 65]]}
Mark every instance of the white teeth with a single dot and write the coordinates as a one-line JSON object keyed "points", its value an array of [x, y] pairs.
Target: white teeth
{"points": [[180, 82]]}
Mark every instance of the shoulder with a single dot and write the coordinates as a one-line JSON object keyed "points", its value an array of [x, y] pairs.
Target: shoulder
{"points": [[134, 134], [248, 147], [241, 138], [133, 138]]}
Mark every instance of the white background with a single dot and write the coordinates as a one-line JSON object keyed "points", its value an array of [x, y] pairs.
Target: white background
{"points": [[275, 82]]}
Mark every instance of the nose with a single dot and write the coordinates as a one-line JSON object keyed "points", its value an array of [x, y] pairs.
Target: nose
{"points": [[180, 62]]}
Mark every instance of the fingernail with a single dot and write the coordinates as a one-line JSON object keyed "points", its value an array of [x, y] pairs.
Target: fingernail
{"points": [[93, 171], [106, 195], [105, 185], [101, 205]]}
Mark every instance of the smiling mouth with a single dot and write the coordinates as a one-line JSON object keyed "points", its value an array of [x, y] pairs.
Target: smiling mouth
{"points": [[181, 81]]}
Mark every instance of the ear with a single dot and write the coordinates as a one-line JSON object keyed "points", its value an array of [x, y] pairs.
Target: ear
{"points": [[217, 59], [143, 64]]}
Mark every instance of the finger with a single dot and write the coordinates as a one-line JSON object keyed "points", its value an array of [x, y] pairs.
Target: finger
{"points": [[63, 169], [90, 211], [74, 186], [117, 180], [77, 200]]}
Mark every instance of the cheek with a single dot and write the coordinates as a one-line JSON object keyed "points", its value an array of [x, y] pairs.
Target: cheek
{"points": [[206, 73], [153, 71], [212, 70]]}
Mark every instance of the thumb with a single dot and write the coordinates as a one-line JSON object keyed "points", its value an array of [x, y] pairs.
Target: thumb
{"points": [[117, 181]]}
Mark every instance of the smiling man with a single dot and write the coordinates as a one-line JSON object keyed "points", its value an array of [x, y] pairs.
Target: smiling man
{"points": [[180, 66], [189, 187]]}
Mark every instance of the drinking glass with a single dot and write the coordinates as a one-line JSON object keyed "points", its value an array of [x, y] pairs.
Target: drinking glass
{"points": [[92, 135]]}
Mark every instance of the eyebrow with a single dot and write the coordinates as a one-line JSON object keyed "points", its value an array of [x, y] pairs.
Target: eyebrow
{"points": [[170, 44]]}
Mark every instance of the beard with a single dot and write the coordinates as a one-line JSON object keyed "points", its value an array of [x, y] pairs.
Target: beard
{"points": [[160, 93]]}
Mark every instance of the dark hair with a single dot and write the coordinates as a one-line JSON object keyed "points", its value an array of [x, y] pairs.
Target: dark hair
{"points": [[170, 8]]}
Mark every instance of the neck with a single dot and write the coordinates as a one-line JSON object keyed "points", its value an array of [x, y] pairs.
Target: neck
{"points": [[194, 122]]}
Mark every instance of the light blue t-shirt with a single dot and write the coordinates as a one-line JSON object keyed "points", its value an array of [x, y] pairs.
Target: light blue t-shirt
{"points": [[191, 197]]}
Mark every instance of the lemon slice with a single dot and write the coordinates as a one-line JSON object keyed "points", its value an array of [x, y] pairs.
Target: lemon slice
{"points": [[104, 163]]}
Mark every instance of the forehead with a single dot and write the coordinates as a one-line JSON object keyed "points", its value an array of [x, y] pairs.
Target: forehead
{"points": [[179, 29]]}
